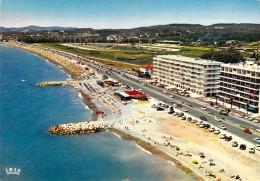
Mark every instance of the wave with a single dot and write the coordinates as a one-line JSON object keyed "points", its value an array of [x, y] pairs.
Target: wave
{"points": [[144, 149], [117, 135]]}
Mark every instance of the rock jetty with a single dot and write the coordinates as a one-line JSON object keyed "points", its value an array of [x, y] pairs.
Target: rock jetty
{"points": [[81, 128], [52, 83]]}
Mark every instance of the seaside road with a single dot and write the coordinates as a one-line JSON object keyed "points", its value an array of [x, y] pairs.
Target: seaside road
{"points": [[231, 123]]}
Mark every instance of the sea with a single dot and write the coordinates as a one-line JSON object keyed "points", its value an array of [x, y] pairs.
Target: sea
{"points": [[28, 152]]}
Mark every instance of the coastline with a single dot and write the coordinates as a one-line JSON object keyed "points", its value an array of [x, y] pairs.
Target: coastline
{"points": [[184, 135], [153, 150], [94, 109]]}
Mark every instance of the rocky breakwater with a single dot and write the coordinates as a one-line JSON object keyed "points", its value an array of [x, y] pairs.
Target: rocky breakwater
{"points": [[52, 83], [81, 128]]}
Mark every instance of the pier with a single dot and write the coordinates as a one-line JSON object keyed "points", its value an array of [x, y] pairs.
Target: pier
{"points": [[55, 83], [81, 128]]}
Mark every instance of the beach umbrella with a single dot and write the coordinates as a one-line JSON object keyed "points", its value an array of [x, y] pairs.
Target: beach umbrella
{"points": [[201, 153], [210, 160]]}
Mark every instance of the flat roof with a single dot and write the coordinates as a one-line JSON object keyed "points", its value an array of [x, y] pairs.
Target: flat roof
{"points": [[188, 59]]}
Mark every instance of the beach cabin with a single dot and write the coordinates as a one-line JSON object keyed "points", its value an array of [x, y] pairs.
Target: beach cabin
{"points": [[122, 96]]}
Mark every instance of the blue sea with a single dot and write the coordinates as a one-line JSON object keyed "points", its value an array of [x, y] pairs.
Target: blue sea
{"points": [[26, 113]]}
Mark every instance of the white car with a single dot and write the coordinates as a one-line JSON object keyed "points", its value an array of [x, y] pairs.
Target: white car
{"points": [[222, 136], [201, 125], [164, 92], [257, 121], [258, 130], [222, 127], [184, 110], [251, 150], [211, 129], [193, 121], [175, 105], [257, 147], [216, 131], [203, 108]]}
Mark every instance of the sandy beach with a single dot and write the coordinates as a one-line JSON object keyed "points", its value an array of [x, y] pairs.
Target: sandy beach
{"points": [[160, 133]]}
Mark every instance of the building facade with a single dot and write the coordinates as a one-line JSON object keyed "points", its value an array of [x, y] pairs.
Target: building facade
{"points": [[239, 85], [191, 74]]}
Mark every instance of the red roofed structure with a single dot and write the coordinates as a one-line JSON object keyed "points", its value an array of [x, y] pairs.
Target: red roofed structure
{"points": [[147, 66], [136, 94]]}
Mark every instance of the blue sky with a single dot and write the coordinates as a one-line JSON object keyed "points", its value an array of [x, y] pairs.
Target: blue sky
{"points": [[126, 13]]}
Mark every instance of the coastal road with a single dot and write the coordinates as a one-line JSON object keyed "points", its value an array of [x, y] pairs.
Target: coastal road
{"points": [[233, 124]]}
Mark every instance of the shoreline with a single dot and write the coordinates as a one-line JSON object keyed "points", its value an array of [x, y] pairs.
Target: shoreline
{"points": [[154, 151], [92, 106]]}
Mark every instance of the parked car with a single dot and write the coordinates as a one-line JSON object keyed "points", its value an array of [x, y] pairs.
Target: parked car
{"points": [[251, 119], [176, 114], [228, 138], [160, 109], [189, 119], [203, 118], [184, 110], [217, 131], [242, 115], [258, 130], [165, 92], [256, 139], [179, 105], [199, 123], [246, 117], [222, 136], [206, 126], [171, 96], [222, 127], [251, 150], [234, 144], [170, 112], [203, 108], [183, 118], [257, 121], [242, 147], [257, 147], [201, 126], [166, 106], [247, 131], [211, 129]]}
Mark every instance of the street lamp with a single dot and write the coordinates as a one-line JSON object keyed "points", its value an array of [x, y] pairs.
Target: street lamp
{"points": [[216, 99]]}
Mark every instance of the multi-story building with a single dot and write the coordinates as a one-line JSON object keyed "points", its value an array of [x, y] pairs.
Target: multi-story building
{"points": [[239, 85], [191, 74]]}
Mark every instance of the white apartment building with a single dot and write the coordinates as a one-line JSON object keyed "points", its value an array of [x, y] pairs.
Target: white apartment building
{"points": [[240, 84], [191, 74]]}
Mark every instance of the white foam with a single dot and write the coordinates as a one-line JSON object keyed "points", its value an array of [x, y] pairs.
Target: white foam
{"points": [[117, 135], [144, 149], [80, 95]]}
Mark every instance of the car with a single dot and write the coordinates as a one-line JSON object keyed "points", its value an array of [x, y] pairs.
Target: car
{"points": [[198, 123], [223, 112], [175, 114], [181, 114], [201, 126], [247, 131], [189, 119], [184, 110], [170, 112], [242, 147], [234, 144], [160, 109], [217, 131], [179, 105], [166, 106], [216, 107], [246, 117], [203, 108], [193, 121], [242, 116], [183, 118], [258, 130], [206, 126], [171, 96], [251, 119], [217, 119], [257, 147], [222, 127], [175, 105], [211, 129], [222, 136], [203, 118], [251, 150], [228, 138], [165, 92], [256, 139], [257, 121]]}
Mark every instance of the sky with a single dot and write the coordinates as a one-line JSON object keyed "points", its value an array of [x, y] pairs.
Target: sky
{"points": [[99, 14]]}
